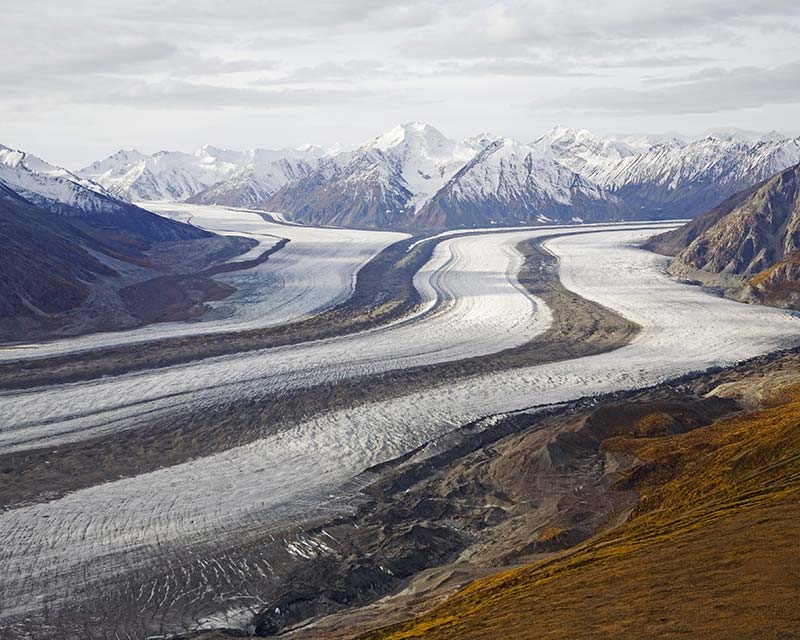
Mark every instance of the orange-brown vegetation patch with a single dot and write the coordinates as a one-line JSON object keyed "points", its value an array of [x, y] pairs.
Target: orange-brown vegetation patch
{"points": [[710, 552]]}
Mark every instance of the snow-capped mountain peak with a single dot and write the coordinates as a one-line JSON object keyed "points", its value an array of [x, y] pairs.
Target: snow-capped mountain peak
{"points": [[410, 133], [480, 140], [50, 186], [392, 177], [420, 156], [581, 150], [511, 183]]}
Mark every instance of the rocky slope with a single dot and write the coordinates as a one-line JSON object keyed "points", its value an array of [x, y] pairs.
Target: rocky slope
{"points": [[667, 177], [70, 250], [87, 205], [750, 244], [713, 530], [46, 265], [381, 184], [508, 183]]}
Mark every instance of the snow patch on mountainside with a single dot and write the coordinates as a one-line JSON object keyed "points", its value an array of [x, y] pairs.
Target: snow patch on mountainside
{"points": [[52, 187], [512, 183], [420, 155], [175, 176]]}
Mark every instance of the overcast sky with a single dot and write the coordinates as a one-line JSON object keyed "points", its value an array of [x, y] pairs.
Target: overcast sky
{"points": [[81, 79]]}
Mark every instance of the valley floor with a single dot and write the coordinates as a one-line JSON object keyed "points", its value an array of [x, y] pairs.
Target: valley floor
{"points": [[217, 536]]}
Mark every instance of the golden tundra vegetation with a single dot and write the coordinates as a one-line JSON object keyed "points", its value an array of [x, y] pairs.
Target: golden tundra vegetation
{"points": [[710, 552]]}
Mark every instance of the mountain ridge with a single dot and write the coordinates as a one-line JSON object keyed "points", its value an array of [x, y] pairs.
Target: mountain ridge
{"points": [[391, 179], [749, 245]]}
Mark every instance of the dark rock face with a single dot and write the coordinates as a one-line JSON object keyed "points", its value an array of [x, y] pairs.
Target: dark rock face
{"points": [[759, 232], [375, 561], [753, 237], [506, 185], [45, 263], [54, 261], [349, 196]]}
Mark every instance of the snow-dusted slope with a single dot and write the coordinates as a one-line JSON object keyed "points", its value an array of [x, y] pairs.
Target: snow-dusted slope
{"points": [[381, 183], [209, 176], [87, 205], [51, 187], [390, 179], [668, 177], [262, 174], [584, 152], [421, 155], [674, 180], [166, 175], [512, 183]]}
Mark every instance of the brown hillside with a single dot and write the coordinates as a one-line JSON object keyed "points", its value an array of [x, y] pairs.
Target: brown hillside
{"points": [[709, 553]]}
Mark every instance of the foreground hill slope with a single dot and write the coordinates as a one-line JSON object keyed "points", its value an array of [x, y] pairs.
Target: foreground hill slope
{"points": [[750, 244], [709, 552]]}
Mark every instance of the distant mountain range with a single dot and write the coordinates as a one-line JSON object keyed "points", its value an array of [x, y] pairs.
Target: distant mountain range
{"points": [[414, 177], [749, 245]]}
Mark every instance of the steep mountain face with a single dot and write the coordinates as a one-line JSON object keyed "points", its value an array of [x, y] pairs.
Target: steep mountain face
{"points": [[380, 184], [72, 252], [52, 187], [263, 173], [750, 245], [46, 265], [166, 175], [509, 183], [667, 177], [88, 205], [210, 176], [586, 153], [66, 275], [677, 180]]}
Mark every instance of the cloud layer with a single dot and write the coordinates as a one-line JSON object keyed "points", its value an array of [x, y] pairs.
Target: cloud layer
{"points": [[280, 72]]}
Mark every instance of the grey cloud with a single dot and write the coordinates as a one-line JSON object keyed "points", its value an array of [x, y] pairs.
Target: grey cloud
{"points": [[384, 62], [331, 71], [708, 91], [518, 28], [290, 15], [655, 62], [189, 95], [510, 67]]}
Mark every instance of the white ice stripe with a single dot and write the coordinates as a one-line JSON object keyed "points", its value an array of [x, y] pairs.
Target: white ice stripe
{"points": [[481, 309], [50, 549], [315, 271]]}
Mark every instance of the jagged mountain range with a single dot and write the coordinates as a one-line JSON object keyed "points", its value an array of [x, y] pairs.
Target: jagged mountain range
{"points": [[749, 245], [415, 177], [510, 183]]}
